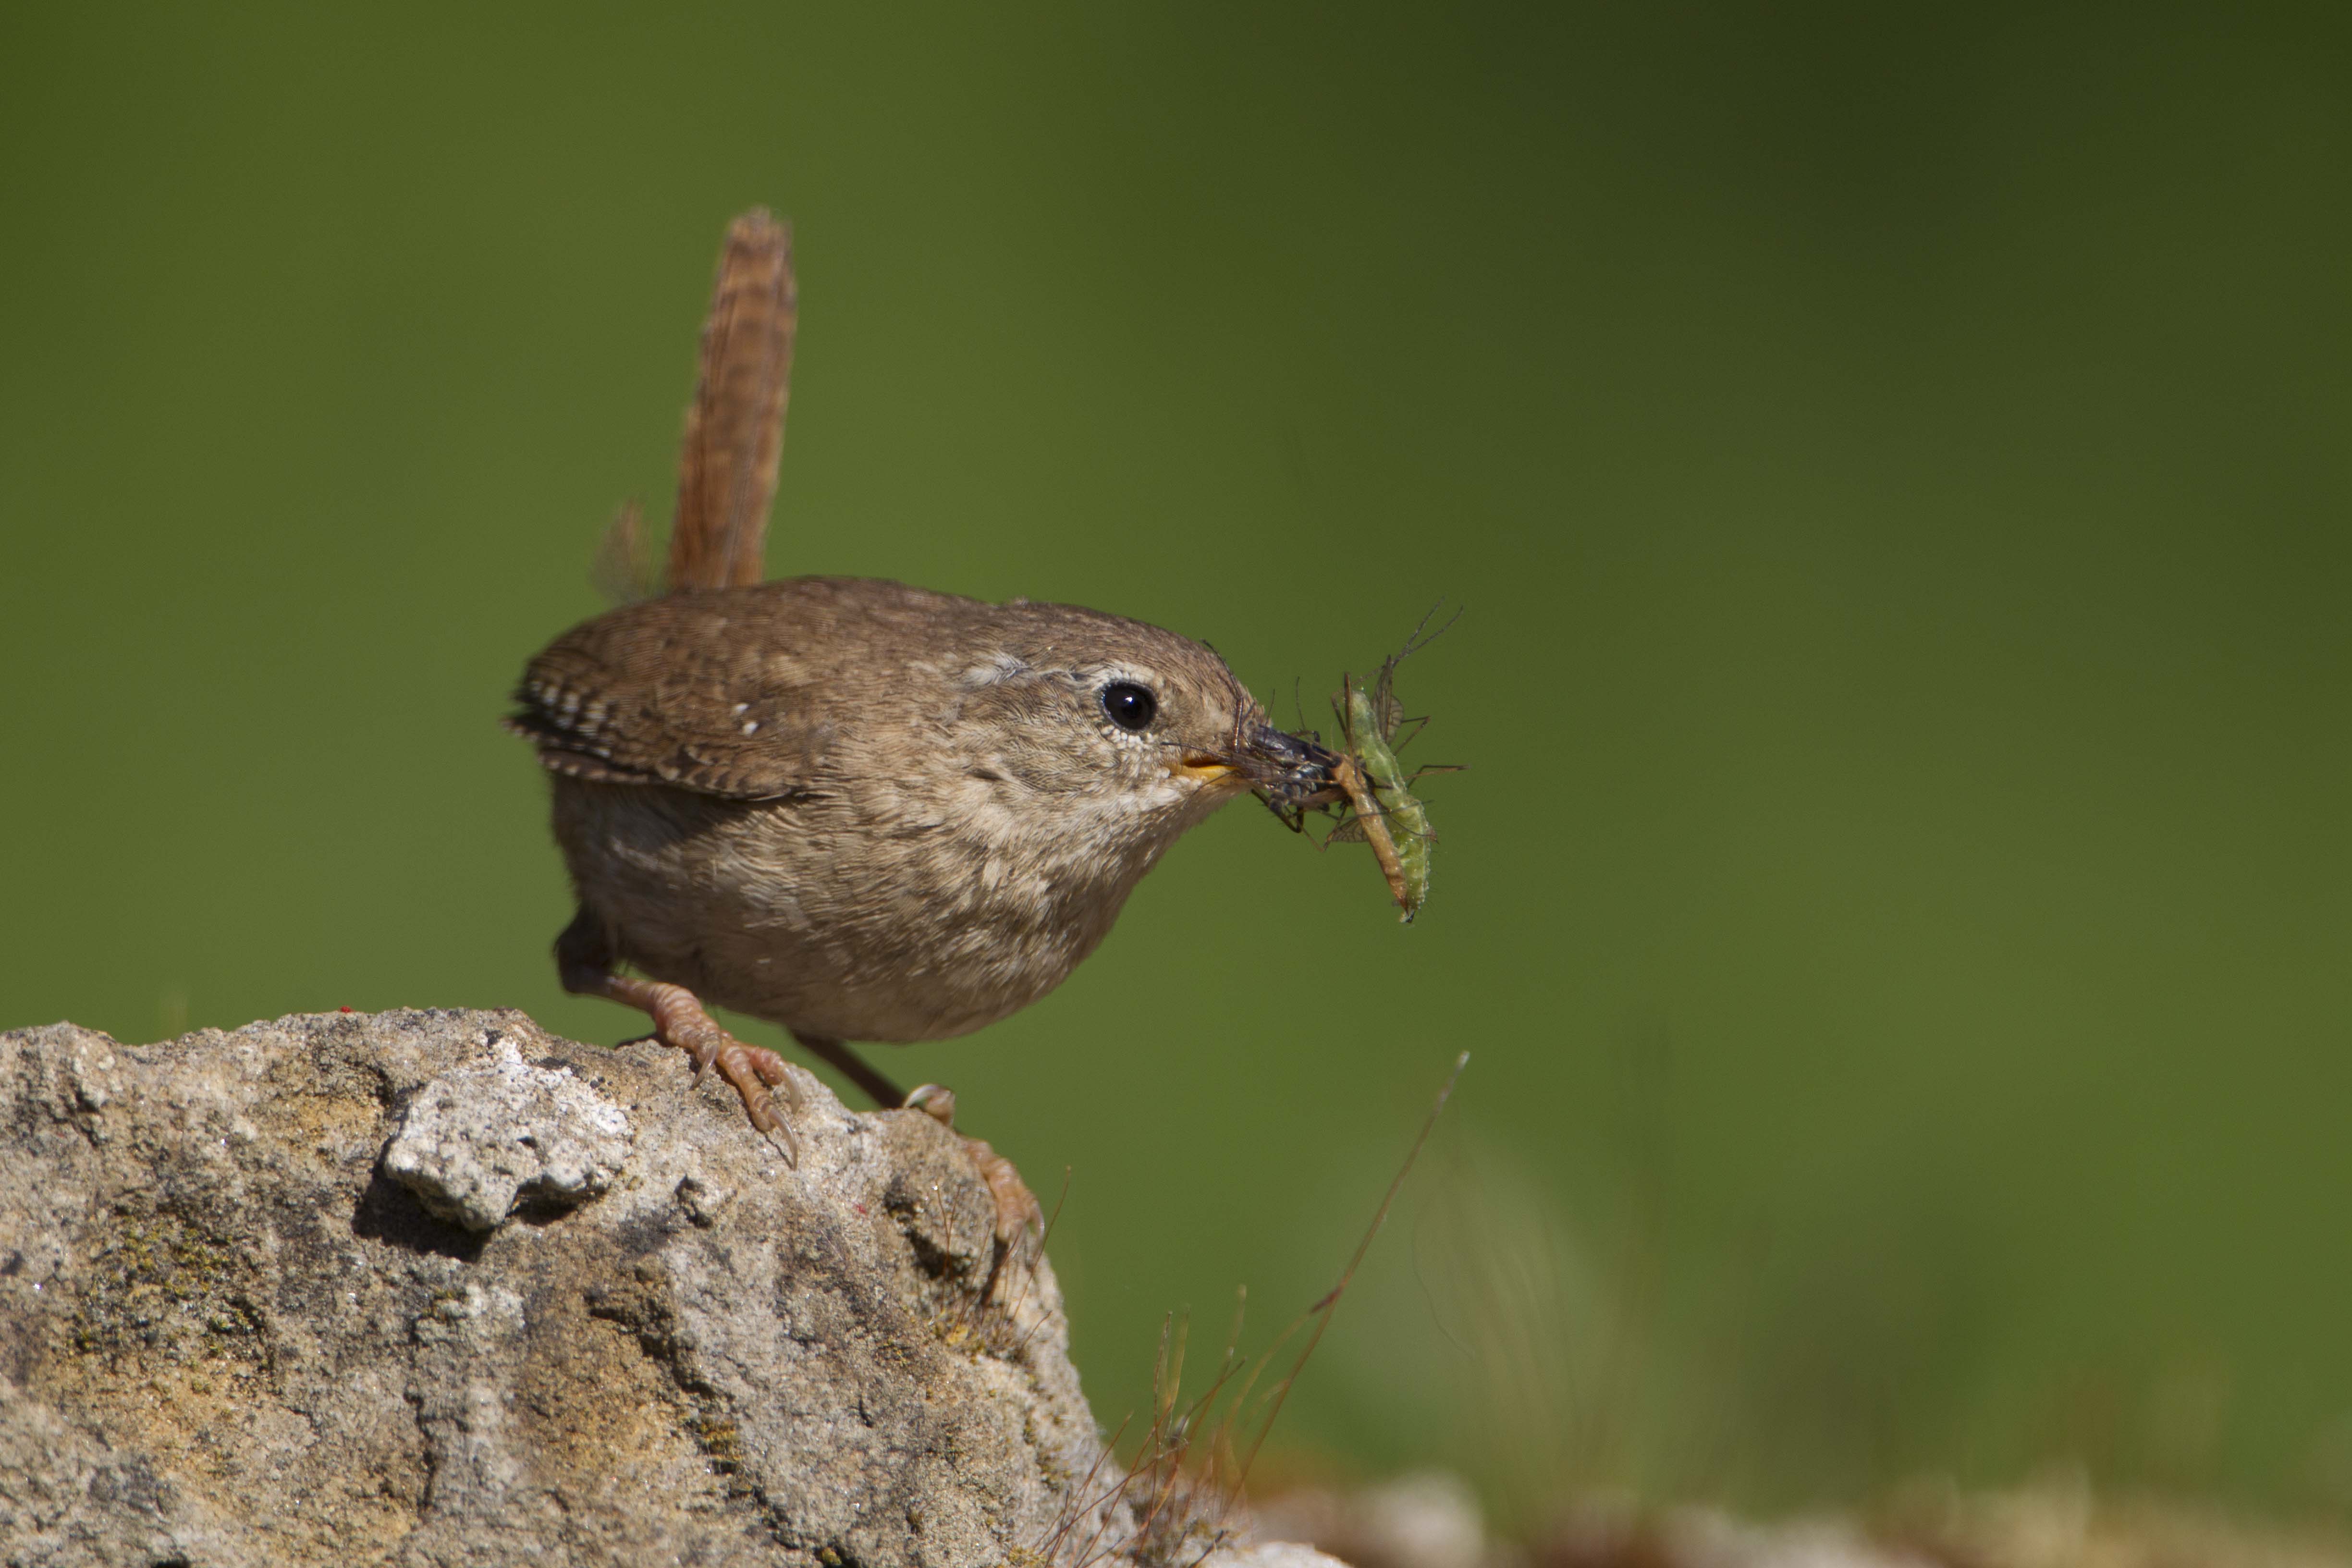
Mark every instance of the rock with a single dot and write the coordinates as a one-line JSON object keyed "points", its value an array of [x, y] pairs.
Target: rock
{"points": [[1429, 1519], [1432, 1519], [1270, 1554], [436, 1288], [474, 1143]]}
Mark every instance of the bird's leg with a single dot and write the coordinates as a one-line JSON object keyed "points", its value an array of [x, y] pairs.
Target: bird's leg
{"points": [[1019, 1216], [585, 959], [877, 1089]]}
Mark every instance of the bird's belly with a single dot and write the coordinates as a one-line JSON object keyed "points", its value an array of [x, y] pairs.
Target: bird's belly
{"points": [[846, 990], [770, 910]]}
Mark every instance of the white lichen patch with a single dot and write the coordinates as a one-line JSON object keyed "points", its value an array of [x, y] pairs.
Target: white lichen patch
{"points": [[476, 1143]]}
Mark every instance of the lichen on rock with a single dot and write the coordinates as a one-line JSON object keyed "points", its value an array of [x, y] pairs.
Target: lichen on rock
{"points": [[475, 1142]]}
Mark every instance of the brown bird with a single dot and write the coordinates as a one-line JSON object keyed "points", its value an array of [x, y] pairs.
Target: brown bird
{"points": [[858, 809]]}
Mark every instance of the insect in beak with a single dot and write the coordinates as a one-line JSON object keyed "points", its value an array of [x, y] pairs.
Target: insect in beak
{"points": [[1293, 774]]}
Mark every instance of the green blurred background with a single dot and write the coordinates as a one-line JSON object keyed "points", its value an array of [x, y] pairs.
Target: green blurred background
{"points": [[1894, 459]]}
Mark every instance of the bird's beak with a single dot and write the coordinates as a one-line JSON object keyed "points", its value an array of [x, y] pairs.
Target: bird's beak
{"points": [[1204, 767], [1295, 772]]}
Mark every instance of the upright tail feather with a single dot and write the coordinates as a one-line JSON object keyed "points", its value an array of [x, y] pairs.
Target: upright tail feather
{"points": [[735, 430]]}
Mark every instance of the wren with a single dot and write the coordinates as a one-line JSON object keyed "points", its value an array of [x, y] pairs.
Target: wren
{"points": [[864, 811]]}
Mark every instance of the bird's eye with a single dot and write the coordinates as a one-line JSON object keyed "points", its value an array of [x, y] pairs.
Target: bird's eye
{"points": [[1130, 707]]}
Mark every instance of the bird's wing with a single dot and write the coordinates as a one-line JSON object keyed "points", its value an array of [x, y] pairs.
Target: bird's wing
{"points": [[688, 690]]}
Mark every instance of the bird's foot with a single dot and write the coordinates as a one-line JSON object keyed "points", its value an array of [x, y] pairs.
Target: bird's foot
{"points": [[680, 1020], [1019, 1218], [586, 962]]}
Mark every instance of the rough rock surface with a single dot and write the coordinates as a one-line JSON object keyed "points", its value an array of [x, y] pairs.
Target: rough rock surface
{"points": [[439, 1288]]}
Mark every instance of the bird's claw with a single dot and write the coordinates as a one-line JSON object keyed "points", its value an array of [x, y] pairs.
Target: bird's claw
{"points": [[749, 1070], [779, 1134], [752, 1072], [1019, 1218]]}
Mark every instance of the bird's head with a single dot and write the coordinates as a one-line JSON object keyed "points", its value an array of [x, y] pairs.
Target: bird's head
{"points": [[1136, 732]]}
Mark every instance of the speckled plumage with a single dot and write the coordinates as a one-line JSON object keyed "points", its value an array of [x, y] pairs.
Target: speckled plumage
{"points": [[861, 810], [867, 811]]}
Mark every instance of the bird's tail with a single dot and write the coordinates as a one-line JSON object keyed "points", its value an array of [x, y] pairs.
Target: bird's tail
{"points": [[735, 430]]}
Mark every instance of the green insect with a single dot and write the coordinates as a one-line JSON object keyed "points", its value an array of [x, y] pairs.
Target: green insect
{"points": [[1379, 809]]}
